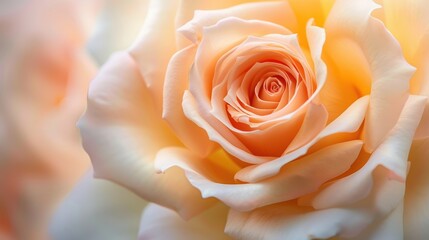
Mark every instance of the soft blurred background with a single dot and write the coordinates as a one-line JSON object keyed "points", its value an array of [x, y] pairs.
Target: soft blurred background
{"points": [[49, 52]]}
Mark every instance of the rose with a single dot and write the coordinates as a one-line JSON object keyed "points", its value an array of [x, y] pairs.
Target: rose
{"points": [[45, 73], [355, 83]]}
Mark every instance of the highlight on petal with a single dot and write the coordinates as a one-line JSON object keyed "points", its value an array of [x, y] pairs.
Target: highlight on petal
{"points": [[389, 70], [162, 223], [97, 209], [122, 132], [300, 177]]}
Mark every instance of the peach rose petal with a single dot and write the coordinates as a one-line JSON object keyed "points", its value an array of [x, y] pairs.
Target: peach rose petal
{"points": [[255, 49], [301, 177], [155, 46], [311, 9], [405, 19], [389, 70], [162, 223], [280, 13], [287, 220], [416, 212], [409, 22], [176, 82], [97, 209], [314, 122], [120, 107], [200, 88], [349, 121], [392, 154], [235, 146]]}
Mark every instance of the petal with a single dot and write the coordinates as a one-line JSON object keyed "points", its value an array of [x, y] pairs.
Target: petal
{"points": [[159, 223], [176, 82], [289, 221], [310, 9], [97, 209], [122, 132], [43, 84], [409, 22], [155, 46], [416, 210], [314, 122], [389, 71], [349, 121], [280, 13], [391, 154], [301, 177]]}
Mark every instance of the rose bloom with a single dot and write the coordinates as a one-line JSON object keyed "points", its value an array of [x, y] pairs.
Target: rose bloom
{"points": [[44, 76], [261, 120]]}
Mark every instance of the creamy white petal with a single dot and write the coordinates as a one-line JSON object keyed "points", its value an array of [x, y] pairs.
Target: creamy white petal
{"points": [[302, 177], [122, 132], [390, 72]]}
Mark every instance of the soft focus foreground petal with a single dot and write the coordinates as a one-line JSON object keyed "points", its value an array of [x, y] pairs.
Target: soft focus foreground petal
{"points": [[159, 223], [389, 71], [117, 26], [391, 154], [349, 121], [27, 203], [301, 177], [43, 84], [97, 209], [45, 75], [416, 209], [290, 221], [155, 46], [122, 132]]}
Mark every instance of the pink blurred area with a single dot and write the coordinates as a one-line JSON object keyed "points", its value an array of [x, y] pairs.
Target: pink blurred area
{"points": [[44, 76]]}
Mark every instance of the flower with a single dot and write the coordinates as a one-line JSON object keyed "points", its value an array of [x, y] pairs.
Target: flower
{"points": [[293, 121], [45, 73]]}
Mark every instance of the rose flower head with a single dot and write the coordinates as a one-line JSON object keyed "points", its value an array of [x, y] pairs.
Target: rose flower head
{"points": [[294, 118]]}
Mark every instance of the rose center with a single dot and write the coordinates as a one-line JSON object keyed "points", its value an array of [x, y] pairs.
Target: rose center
{"points": [[273, 85]]}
